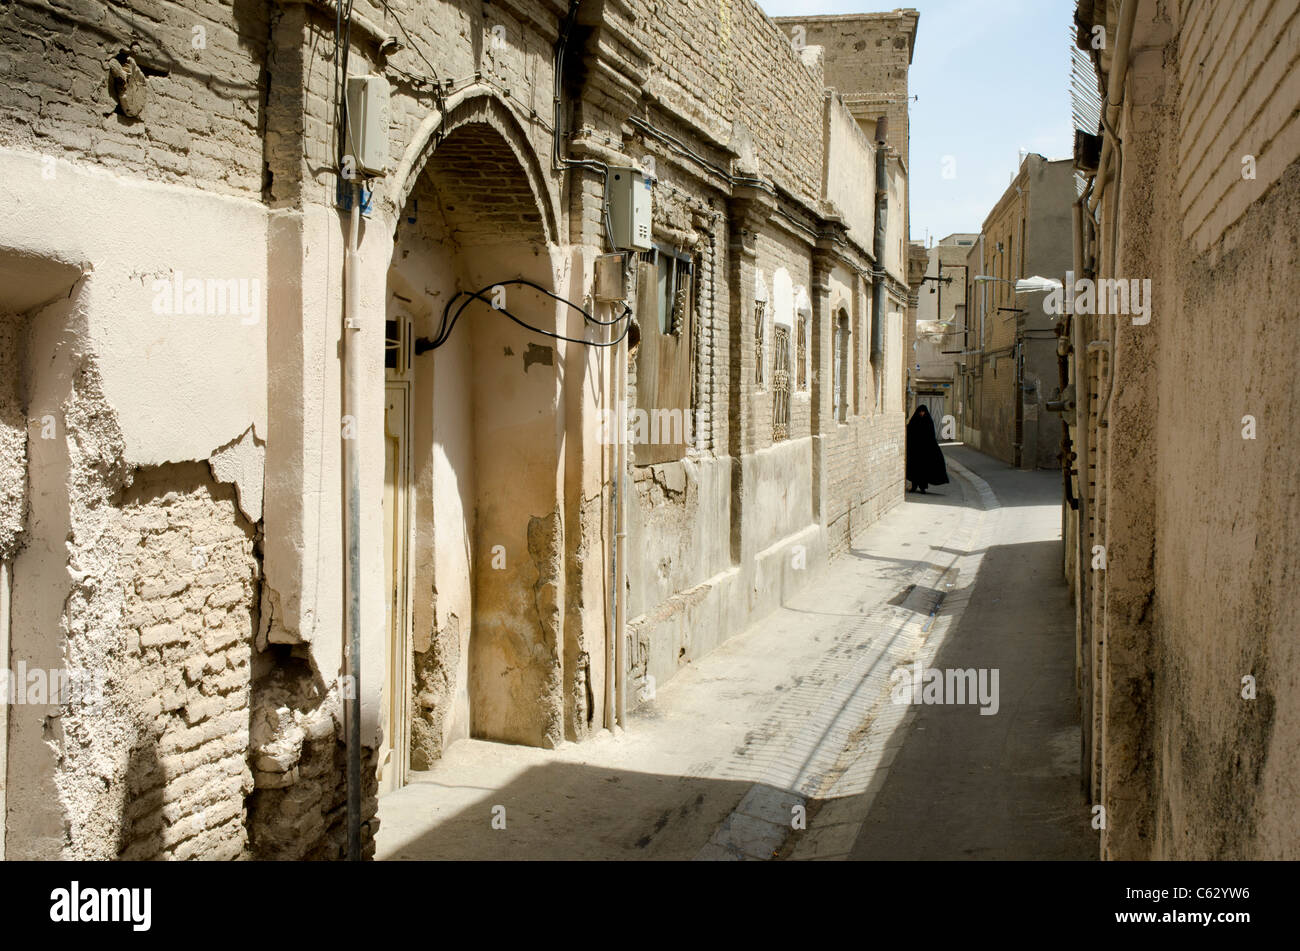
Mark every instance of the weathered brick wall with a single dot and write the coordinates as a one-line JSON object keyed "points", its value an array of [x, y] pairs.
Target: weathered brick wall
{"points": [[866, 60], [233, 748], [997, 385], [298, 808], [712, 60], [728, 62], [778, 251], [188, 564], [863, 453], [864, 475], [201, 122]]}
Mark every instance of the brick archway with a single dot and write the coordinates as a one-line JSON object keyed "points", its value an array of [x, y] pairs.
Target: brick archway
{"points": [[486, 437], [475, 106]]}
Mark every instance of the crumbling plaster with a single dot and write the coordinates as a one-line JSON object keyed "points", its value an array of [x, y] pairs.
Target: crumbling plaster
{"points": [[93, 386]]}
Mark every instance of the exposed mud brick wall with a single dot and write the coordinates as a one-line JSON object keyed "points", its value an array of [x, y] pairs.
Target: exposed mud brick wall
{"points": [[434, 689], [190, 572], [13, 434], [298, 809], [200, 122]]}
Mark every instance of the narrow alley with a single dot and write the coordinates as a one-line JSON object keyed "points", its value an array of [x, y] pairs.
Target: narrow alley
{"points": [[797, 711], [448, 435]]}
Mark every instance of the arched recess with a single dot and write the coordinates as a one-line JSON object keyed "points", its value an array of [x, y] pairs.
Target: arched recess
{"points": [[484, 439], [477, 104]]}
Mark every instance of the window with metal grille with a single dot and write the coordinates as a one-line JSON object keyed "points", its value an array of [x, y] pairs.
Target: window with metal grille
{"points": [[760, 332], [780, 383], [801, 353]]}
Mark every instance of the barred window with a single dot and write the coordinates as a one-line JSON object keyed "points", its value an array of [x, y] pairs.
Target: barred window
{"points": [[780, 383], [801, 353], [760, 332], [674, 286]]}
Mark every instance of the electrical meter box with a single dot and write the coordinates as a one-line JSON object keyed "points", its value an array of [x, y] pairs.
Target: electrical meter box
{"points": [[367, 98], [611, 278], [627, 190]]}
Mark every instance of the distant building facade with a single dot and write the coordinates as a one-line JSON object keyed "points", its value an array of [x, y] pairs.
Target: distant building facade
{"points": [[1013, 370], [938, 364]]}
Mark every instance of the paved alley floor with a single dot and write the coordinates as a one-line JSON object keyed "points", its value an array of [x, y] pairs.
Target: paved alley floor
{"points": [[787, 741]]}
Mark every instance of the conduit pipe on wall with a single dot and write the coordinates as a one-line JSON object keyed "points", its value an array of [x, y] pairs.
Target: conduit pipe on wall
{"points": [[367, 27], [352, 357], [1114, 97], [1110, 119], [1082, 392], [611, 624], [878, 247], [620, 539]]}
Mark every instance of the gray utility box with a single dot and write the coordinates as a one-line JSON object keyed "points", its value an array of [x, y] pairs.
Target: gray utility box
{"points": [[367, 98], [627, 190]]}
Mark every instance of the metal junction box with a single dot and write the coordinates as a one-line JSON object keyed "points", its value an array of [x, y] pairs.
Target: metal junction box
{"points": [[367, 98], [627, 190]]}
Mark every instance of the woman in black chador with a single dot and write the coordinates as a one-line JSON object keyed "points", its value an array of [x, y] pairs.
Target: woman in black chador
{"points": [[925, 465]]}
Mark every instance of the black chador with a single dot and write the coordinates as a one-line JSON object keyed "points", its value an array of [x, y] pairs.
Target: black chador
{"points": [[925, 466]]}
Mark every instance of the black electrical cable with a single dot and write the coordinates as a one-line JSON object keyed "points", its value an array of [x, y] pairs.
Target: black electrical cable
{"points": [[410, 42], [446, 328], [423, 345]]}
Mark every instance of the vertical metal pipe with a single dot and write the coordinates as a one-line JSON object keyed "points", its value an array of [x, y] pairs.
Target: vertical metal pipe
{"points": [[878, 247], [620, 539], [352, 527], [611, 458]]}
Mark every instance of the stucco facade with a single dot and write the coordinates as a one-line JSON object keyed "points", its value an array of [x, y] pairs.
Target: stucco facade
{"points": [[1190, 526], [174, 415]]}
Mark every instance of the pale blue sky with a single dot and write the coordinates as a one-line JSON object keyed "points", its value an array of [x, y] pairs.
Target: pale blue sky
{"points": [[992, 77]]}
